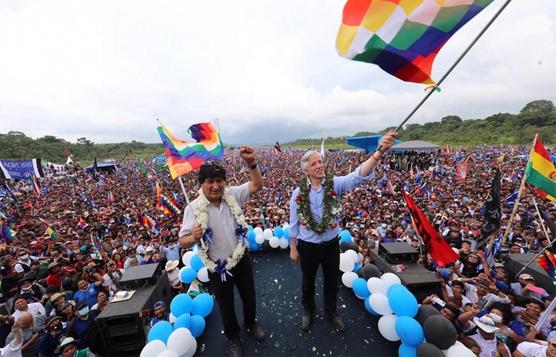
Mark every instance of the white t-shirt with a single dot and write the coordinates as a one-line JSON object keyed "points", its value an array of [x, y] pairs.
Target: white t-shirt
{"points": [[37, 310], [488, 347], [220, 220], [11, 350], [109, 283], [530, 349]]}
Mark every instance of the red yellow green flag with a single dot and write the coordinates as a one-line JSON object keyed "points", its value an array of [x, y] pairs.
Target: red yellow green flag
{"points": [[540, 171]]}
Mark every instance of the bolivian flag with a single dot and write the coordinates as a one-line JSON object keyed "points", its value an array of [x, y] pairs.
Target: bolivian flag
{"points": [[51, 233], [540, 171]]}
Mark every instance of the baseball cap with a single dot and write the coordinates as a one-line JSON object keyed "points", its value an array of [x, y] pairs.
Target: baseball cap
{"points": [[158, 304], [499, 265], [526, 277]]}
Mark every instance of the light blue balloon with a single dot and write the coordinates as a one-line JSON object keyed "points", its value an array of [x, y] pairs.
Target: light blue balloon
{"points": [[278, 232], [410, 331], [196, 262], [160, 331], [183, 321], [287, 232], [251, 235], [345, 236], [202, 305], [407, 351], [181, 304], [369, 308], [188, 275], [357, 267], [254, 246], [402, 301], [360, 287], [197, 325]]}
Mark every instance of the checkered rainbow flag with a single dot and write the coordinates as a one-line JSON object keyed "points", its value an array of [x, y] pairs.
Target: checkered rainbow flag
{"points": [[402, 36]]}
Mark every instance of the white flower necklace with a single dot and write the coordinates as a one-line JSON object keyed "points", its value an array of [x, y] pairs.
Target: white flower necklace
{"points": [[222, 267]]}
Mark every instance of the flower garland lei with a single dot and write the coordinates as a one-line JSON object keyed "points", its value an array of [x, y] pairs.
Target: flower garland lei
{"points": [[222, 267], [330, 210]]}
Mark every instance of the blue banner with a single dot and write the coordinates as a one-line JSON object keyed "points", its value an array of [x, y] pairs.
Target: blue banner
{"points": [[21, 169]]}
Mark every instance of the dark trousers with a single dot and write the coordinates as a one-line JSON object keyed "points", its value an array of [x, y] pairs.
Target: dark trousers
{"points": [[224, 293], [311, 256]]}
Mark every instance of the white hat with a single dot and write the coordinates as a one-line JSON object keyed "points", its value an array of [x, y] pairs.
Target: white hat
{"points": [[171, 264], [485, 323], [19, 268]]}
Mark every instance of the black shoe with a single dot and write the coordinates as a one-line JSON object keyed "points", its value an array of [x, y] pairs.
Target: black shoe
{"points": [[256, 331], [337, 321], [307, 320], [236, 348]]}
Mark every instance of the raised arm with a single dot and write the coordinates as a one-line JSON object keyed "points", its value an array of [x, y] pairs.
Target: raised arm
{"points": [[385, 143], [255, 178]]}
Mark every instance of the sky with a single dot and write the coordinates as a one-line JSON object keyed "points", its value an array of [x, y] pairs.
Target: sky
{"points": [[268, 70]]}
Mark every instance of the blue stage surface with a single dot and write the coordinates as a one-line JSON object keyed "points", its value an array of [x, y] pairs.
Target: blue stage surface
{"points": [[278, 285]]}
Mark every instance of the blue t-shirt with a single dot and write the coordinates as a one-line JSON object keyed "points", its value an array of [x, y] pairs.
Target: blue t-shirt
{"points": [[88, 296]]}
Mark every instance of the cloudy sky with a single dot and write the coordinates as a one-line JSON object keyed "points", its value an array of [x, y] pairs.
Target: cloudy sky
{"points": [[268, 70]]}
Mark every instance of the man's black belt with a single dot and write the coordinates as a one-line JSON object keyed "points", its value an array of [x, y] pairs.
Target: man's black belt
{"points": [[321, 244]]}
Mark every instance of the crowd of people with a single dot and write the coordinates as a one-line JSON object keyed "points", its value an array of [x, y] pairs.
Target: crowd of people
{"points": [[74, 241]]}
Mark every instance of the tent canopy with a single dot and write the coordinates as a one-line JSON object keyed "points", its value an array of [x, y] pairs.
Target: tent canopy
{"points": [[103, 167], [367, 143], [415, 145]]}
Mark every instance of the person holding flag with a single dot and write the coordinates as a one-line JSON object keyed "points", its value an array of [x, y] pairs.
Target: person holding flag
{"points": [[314, 209], [216, 221]]}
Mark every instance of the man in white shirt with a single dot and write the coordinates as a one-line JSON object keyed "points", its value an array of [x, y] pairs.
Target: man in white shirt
{"points": [[486, 339], [13, 349], [36, 309], [484, 293]]}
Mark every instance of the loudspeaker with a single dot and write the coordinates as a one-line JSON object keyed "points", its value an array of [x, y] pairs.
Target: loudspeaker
{"points": [[515, 262], [140, 275], [398, 253], [420, 281], [122, 324]]}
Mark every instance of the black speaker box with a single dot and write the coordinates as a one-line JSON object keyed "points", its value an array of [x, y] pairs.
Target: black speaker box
{"points": [[140, 275], [398, 253], [122, 324], [420, 281], [515, 262]]}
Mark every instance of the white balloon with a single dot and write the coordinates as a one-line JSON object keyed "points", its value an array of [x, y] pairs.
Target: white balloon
{"points": [[352, 254], [284, 243], [171, 318], [390, 279], [387, 327], [377, 286], [267, 234], [192, 347], [179, 341], [168, 353], [258, 231], [153, 349], [380, 304], [274, 242], [186, 259], [346, 263], [203, 275], [360, 297], [459, 350], [259, 238], [348, 278]]}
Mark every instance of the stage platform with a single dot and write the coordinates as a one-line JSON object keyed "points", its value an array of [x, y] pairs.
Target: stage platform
{"points": [[278, 285]]}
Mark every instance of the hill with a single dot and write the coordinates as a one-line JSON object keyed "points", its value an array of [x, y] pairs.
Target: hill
{"points": [[503, 128]]}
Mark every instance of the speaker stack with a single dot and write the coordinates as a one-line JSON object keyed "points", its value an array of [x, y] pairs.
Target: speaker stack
{"points": [[123, 324], [420, 281]]}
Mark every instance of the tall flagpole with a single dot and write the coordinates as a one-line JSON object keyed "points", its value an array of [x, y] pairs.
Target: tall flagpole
{"points": [[541, 219], [183, 189], [452, 67], [521, 187]]}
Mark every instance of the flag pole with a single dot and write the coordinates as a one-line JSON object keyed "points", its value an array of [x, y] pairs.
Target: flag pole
{"points": [[183, 189], [537, 255], [452, 67], [521, 187], [541, 219]]}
